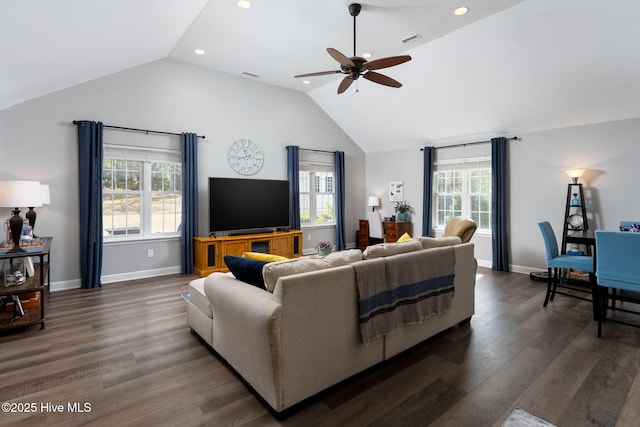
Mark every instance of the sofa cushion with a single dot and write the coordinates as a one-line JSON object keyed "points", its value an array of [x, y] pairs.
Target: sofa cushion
{"points": [[272, 271], [436, 242], [387, 249], [246, 270], [264, 257]]}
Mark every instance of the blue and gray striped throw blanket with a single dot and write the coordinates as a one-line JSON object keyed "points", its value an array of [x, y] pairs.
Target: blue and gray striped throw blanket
{"points": [[403, 289]]}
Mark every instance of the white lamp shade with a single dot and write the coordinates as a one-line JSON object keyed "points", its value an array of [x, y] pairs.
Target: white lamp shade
{"points": [[44, 194], [574, 172], [18, 194], [373, 201]]}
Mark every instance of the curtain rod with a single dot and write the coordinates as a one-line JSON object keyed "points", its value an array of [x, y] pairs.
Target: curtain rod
{"points": [[464, 144], [317, 151], [77, 122]]}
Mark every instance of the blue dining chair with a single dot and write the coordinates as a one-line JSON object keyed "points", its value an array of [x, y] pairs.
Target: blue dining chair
{"points": [[557, 261], [617, 267]]}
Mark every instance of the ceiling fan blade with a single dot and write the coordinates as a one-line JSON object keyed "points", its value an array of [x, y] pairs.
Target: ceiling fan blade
{"points": [[341, 58], [344, 84], [390, 61], [381, 79], [321, 73]]}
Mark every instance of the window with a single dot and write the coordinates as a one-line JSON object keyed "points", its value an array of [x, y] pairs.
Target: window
{"points": [[463, 188], [316, 193], [141, 194]]}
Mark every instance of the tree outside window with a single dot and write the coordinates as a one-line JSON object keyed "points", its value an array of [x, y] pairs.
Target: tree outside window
{"points": [[132, 208]]}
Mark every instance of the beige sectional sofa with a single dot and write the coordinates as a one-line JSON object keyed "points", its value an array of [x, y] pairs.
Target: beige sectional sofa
{"points": [[302, 335]]}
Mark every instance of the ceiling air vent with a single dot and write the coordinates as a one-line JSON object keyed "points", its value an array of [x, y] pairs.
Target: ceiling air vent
{"points": [[411, 38]]}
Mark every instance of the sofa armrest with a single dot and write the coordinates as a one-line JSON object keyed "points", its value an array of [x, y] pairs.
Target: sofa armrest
{"points": [[246, 330]]}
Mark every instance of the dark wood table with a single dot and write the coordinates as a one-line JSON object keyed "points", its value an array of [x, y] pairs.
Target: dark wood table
{"points": [[583, 237]]}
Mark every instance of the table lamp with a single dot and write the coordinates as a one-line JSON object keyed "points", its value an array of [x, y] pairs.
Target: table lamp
{"points": [[374, 202], [45, 199], [16, 194]]}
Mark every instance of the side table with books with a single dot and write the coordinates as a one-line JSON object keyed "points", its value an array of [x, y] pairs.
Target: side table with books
{"points": [[24, 284]]}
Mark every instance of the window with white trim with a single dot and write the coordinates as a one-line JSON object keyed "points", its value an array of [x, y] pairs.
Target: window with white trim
{"points": [[141, 193], [317, 197], [463, 189]]}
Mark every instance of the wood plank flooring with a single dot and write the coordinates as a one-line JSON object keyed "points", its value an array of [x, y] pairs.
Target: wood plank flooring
{"points": [[126, 352]]}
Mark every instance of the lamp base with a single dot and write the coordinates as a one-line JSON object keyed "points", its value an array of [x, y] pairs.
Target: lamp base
{"points": [[15, 224], [31, 216]]}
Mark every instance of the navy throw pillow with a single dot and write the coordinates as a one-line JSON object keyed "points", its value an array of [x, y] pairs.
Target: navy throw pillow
{"points": [[247, 270]]}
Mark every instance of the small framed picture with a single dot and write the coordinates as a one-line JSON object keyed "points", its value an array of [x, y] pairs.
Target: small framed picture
{"points": [[396, 191]]}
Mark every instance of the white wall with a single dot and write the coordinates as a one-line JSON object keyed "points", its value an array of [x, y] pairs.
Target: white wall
{"points": [[39, 143], [538, 186]]}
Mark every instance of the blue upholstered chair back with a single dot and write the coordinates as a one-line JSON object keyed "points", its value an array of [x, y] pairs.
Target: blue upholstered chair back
{"points": [[618, 259], [550, 242], [629, 225]]}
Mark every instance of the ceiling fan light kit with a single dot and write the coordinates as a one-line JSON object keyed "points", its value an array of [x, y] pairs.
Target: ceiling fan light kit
{"points": [[356, 66]]}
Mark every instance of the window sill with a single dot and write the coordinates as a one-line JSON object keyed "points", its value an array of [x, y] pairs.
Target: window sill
{"points": [[318, 226], [114, 241], [484, 233]]}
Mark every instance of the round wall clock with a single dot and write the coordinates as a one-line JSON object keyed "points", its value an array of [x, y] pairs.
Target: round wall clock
{"points": [[245, 157]]}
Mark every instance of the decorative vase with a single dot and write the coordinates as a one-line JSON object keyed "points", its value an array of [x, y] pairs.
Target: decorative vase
{"points": [[324, 252], [402, 216]]}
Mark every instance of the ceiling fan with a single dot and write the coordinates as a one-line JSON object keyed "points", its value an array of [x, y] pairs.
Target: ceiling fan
{"points": [[356, 66]]}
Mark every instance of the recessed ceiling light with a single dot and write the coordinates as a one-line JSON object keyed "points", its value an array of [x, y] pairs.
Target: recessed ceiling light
{"points": [[244, 4], [461, 11], [198, 52], [306, 82], [367, 55]]}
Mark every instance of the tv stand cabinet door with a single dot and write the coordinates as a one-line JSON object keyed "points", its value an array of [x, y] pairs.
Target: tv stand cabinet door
{"points": [[235, 247], [281, 245]]}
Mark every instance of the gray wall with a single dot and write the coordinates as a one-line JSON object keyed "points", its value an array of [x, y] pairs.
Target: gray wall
{"points": [[538, 186], [39, 143]]}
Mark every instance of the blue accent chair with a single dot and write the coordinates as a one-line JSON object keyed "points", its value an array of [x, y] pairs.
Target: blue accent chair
{"points": [[617, 267], [556, 262], [629, 225]]}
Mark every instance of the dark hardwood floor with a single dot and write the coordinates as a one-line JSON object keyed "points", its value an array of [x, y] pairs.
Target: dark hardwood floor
{"points": [[125, 350]]}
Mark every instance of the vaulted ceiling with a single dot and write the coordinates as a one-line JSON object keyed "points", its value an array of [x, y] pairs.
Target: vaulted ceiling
{"points": [[507, 66]]}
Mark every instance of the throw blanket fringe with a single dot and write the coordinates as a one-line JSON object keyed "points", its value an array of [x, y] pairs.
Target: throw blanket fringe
{"points": [[403, 289]]}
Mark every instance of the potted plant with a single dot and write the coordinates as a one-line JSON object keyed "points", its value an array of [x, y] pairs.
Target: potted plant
{"points": [[403, 209], [323, 248]]}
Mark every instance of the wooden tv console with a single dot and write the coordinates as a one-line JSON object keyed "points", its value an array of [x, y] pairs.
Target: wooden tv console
{"points": [[209, 252]]}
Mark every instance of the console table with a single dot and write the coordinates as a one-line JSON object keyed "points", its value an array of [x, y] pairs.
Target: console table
{"points": [[393, 230], [32, 294], [209, 252]]}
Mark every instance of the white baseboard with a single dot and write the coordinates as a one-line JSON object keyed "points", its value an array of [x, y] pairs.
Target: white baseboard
{"points": [[122, 277], [65, 285], [513, 268]]}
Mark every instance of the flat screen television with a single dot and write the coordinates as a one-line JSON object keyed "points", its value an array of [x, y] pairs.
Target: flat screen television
{"points": [[239, 205]]}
